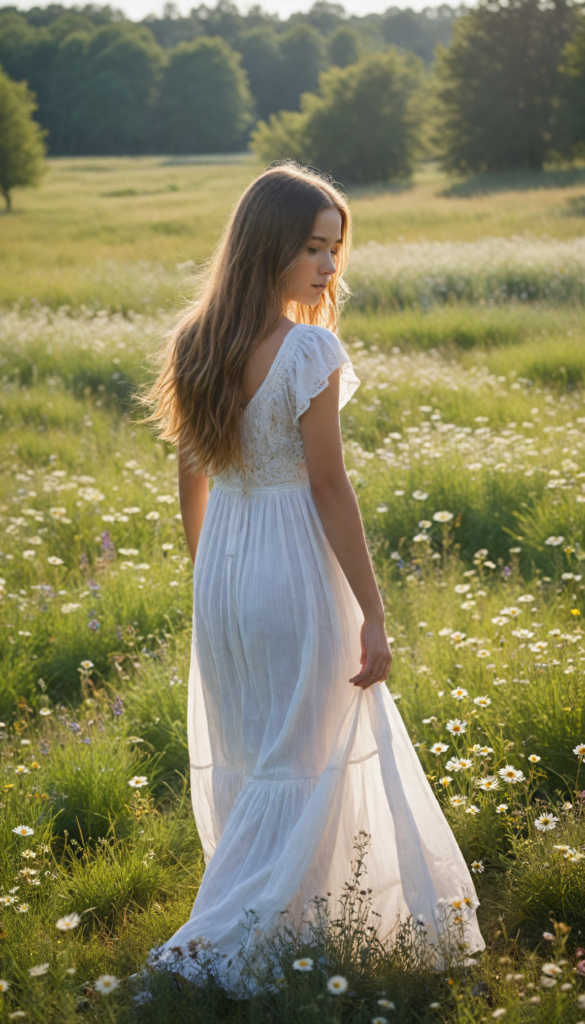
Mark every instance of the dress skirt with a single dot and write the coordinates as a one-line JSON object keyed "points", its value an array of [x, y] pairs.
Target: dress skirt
{"points": [[289, 761]]}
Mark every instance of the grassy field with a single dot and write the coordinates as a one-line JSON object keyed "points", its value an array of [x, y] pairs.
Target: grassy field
{"points": [[465, 444]]}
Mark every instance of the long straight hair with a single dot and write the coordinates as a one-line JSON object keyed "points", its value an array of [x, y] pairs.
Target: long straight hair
{"points": [[198, 393]]}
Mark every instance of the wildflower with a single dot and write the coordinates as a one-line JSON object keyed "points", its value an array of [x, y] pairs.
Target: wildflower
{"points": [[467, 605], [501, 808], [68, 923], [337, 984], [534, 758], [581, 1001], [477, 867], [4, 985], [458, 801], [551, 970], [548, 936], [138, 781], [488, 783], [445, 780], [28, 854], [21, 769], [305, 964], [579, 750], [443, 517], [482, 702], [566, 986], [386, 1004], [379, 1020], [38, 971], [106, 983], [45, 712], [456, 727], [545, 822], [473, 809], [500, 620], [462, 588], [439, 748], [420, 495], [501, 1012], [381, 509], [465, 762], [53, 560], [23, 830], [471, 902], [554, 542], [459, 693], [23, 908], [481, 751], [511, 774], [483, 653]]}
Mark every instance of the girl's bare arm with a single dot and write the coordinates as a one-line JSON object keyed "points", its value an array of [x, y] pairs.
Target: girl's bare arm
{"points": [[339, 512], [193, 495]]}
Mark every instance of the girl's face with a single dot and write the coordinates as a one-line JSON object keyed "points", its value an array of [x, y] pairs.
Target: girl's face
{"points": [[308, 280]]}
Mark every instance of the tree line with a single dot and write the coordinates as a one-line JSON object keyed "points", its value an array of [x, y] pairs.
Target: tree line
{"points": [[106, 85], [501, 87]]}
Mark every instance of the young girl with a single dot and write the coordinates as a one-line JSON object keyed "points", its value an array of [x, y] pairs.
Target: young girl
{"points": [[295, 742]]}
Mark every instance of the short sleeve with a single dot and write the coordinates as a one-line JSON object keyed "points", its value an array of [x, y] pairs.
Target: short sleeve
{"points": [[317, 353]]}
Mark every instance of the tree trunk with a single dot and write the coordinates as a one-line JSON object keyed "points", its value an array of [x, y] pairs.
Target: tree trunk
{"points": [[6, 194]]}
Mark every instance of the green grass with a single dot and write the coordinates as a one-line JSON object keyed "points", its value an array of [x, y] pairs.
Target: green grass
{"points": [[471, 409], [127, 233]]}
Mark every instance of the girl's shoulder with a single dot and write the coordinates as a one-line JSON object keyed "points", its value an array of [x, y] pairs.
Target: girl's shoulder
{"points": [[316, 352]]}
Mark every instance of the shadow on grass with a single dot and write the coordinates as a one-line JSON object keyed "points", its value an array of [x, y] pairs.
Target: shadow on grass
{"points": [[514, 181]]}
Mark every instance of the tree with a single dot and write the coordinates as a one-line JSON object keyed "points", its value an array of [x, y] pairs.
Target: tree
{"points": [[303, 58], [496, 85], [572, 96], [204, 104], [361, 127], [343, 46], [260, 50], [22, 148], [102, 86]]}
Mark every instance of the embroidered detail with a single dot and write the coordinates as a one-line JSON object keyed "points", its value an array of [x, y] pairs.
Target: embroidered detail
{"points": [[271, 434]]}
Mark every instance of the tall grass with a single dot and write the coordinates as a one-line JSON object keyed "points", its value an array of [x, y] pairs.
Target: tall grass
{"points": [[490, 270]]}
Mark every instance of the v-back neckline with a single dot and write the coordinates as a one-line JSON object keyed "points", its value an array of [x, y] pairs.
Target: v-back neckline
{"points": [[272, 367]]}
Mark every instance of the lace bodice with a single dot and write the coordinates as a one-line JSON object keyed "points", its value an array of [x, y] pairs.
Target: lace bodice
{"points": [[270, 428]]}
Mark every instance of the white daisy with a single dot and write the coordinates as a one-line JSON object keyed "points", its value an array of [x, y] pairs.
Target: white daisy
{"points": [[337, 984], [439, 748], [456, 727], [304, 964], [482, 702], [546, 822], [511, 774], [106, 983]]}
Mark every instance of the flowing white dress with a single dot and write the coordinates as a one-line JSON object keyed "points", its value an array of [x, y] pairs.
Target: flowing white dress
{"points": [[289, 760]]}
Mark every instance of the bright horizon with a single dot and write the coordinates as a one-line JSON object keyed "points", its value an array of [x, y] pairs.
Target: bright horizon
{"points": [[138, 9]]}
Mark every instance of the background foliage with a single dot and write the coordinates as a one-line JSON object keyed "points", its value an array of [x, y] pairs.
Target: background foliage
{"points": [[497, 86]]}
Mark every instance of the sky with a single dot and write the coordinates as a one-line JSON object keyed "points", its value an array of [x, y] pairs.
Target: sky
{"points": [[137, 9]]}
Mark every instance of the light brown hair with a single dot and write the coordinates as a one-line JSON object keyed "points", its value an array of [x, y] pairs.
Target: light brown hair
{"points": [[197, 395]]}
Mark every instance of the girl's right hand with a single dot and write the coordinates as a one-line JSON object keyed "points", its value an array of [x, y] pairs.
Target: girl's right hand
{"points": [[376, 656]]}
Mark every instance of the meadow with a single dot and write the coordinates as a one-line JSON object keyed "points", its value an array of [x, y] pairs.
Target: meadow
{"points": [[465, 444]]}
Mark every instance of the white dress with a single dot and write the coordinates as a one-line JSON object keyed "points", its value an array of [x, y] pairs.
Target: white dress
{"points": [[289, 760]]}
